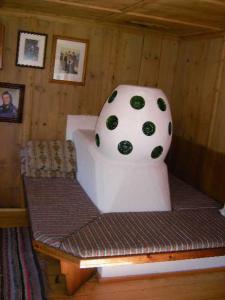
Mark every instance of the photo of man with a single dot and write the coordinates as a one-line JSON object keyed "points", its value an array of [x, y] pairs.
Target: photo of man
{"points": [[7, 109], [11, 102]]}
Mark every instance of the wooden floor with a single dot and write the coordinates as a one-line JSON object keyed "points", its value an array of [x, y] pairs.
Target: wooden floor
{"points": [[191, 286]]}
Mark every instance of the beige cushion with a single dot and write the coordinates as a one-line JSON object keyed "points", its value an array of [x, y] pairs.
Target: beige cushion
{"points": [[48, 159]]}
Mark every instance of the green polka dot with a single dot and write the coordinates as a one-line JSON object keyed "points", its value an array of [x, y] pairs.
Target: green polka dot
{"points": [[148, 128], [125, 147], [112, 97], [137, 102], [97, 140], [170, 128], [112, 122], [156, 152], [161, 104]]}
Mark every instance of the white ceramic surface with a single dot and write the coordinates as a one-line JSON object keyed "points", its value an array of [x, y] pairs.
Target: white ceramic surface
{"points": [[118, 186], [135, 180], [132, 122]]}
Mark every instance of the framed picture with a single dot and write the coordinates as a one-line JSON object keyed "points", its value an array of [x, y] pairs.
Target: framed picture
{"points": [[69, 60], [31, 48], [11, 102], [1, 44]]}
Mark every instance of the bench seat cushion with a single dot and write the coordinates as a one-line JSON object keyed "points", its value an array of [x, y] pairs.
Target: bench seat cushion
{"points": [[57, 207], [117, 234], [185, 196], [62, 216]]}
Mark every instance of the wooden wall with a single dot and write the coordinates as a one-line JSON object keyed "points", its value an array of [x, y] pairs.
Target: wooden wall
{"points": [[198, 106], [117, 55]]}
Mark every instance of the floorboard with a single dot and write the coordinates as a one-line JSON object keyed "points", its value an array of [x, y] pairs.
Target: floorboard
{"points": [[189, 286]]}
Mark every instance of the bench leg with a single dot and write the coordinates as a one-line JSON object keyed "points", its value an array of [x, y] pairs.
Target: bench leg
{"points": [[75, 276]]}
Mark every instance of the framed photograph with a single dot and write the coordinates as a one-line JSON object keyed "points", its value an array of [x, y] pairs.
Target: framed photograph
{"points": [[69, 60], [31, 48], [11, 102], [1, 44]]}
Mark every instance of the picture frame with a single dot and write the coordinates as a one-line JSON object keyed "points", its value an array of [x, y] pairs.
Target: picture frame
{"points": [[11, 102], [31, 49], [69, 60], [2, 33]]}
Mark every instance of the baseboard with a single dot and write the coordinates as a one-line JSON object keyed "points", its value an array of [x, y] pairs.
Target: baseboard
{"points": [[13, 217]]}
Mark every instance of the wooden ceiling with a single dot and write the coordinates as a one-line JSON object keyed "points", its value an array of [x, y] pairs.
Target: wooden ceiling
{"points": [[182, 17]]}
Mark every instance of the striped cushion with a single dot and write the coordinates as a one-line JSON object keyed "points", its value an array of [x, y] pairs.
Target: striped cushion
{"points": [[184, 196], [53, 240], [119, 234], [62, 216], [57, 206]]}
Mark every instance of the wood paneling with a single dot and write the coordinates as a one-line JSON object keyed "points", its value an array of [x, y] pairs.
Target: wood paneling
{"points": [[198, 108], [217, 133], [116, 56], [195, 86], [198, 165], [177, 16], [158, 62], [1, 44], [190, 71]]}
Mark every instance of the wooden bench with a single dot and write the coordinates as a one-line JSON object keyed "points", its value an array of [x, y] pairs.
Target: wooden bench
{"points": [[62, 215]]}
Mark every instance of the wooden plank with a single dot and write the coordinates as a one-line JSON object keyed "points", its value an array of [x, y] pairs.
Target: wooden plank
{"points": [[128, 59], [150, 63], [195, 81], [174, 21], [75, 276], [216, 139], [201, 286], [55, 253], [2, 32], [168, 59], [86, 6], [185, 11], [149, 258], [14, 217], [201, 34], [95, 262], [196, 164]]}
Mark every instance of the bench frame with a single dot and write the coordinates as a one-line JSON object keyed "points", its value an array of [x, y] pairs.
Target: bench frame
{"points": [[78, 270]]}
